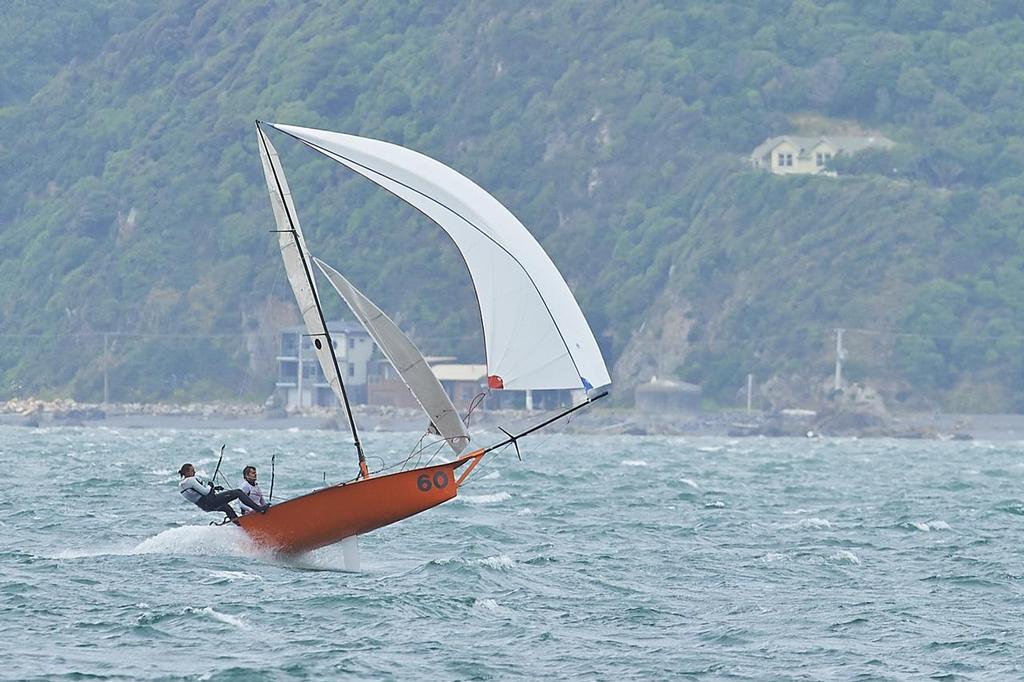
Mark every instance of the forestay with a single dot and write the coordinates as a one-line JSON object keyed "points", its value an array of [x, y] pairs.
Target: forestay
{"points": [[296, 261], [405, 358], [535, 334]]}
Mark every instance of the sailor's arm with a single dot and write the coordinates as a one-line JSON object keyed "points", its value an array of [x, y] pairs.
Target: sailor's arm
{"points": [[201, 487]]}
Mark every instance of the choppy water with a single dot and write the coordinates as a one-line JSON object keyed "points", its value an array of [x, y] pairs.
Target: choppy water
{"points": [[596, 558]]}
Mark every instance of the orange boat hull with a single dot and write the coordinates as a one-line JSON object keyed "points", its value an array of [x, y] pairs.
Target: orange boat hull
{"points": [[332, 514]]}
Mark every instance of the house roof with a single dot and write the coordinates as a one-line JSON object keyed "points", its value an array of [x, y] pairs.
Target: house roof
{"points": [[848, 144], [459, 372]]}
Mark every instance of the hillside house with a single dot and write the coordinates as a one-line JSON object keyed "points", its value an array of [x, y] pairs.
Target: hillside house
{"points": [[792, 154], [301, 381]]}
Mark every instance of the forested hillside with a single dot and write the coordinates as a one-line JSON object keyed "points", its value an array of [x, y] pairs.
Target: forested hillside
{"points": [[132, 203]]}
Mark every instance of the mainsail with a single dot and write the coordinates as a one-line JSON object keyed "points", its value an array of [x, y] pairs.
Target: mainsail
{"points": [[300, 273], [405, 358], [535, 334]]}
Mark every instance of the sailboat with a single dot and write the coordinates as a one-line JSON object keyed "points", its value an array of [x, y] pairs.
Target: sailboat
{"points": [[535, 335]]}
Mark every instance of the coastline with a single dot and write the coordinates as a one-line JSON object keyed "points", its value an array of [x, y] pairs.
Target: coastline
{"points": [[598, 421]]}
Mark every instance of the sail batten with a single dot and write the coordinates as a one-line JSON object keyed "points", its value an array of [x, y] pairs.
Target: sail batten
{"points": [[535, 334], [407, 360]]}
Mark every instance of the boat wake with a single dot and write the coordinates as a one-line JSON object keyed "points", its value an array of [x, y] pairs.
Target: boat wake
{"points": [[185, 540], [193, 540], [227, 541]]}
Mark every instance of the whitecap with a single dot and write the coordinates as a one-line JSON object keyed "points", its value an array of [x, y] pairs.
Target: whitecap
{"points": [[797, 511], [920, 525], [485, 499], [488, 604], [500, 561], [812, 523], [773, 556], [714, 504], [690, 482], [633, 463], [940, 525], [525, 511], [491, 476], [844, 556], [232, 576], [222, 617]]}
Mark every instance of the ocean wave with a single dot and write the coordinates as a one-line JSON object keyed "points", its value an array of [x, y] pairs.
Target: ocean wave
{"points": [[485, 499], [222, 617], [813, 523], [486, 604], [844, 556], [232, 576], [772, 557], [633, 463], [497, 562]]}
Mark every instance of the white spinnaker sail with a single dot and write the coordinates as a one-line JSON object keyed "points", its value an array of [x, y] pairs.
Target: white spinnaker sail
{"points": [[405, 358], [534, 331], [296, 259]]}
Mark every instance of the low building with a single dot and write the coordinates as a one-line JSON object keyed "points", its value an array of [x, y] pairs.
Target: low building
{"points": [[300, 379], [793, 154], [464, 383], [666, 395], [384, 386]]}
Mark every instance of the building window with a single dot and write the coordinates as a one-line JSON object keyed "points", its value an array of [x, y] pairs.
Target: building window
{"points": [[351, 342], [819, 159], [289, 344], [286, 372], [789, 159], [782, 159], [309, 369], [351, 369]]}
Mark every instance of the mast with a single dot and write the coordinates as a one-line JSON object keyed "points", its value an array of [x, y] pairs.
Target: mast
{"points": [[319, 309]]}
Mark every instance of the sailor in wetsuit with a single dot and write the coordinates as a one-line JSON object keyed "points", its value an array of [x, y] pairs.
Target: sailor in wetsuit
{"points": [[205, 496], [251, 488]]}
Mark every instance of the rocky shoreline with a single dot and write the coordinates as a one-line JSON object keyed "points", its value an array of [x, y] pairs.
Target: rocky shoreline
{"points": [[31, 412]]}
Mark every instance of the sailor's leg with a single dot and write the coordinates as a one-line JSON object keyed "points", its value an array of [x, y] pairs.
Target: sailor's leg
{"points": [[221, 502], [243, 498], [229, 511]]}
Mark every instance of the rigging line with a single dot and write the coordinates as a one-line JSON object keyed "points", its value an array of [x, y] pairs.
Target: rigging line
{"points": [[526, 272], [477, 400], [316, 300], [512, 439]]}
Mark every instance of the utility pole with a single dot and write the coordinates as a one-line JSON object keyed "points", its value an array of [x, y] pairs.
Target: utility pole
{"points": [[299, 380], [750, 392], [840, 356], [106, 364]]}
